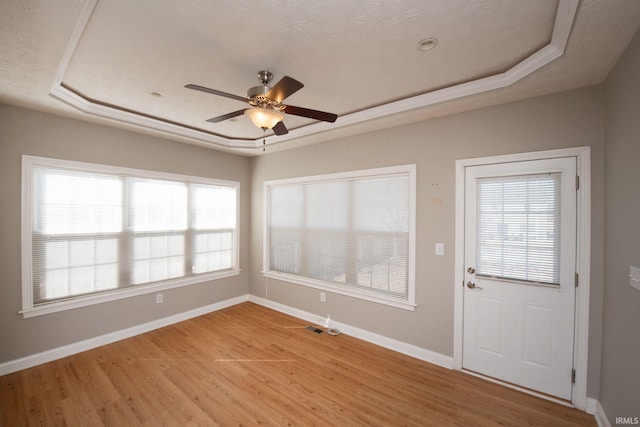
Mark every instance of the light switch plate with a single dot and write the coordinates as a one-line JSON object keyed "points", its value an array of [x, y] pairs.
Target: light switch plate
{"points": [[634, 277], [440, 249]]}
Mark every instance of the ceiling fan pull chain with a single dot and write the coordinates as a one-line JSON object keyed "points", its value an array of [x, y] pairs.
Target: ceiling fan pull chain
{"points": [[264, 140]]}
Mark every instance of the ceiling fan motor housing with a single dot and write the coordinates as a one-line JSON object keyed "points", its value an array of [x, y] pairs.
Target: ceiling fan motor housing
{"points": [[258, 90], [265, 78]]}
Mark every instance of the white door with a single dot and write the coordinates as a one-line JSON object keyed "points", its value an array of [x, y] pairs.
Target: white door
{"points": [[520, 257]]}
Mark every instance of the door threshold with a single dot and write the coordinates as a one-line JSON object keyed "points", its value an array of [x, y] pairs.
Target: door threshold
{"points": [[525, 390]]}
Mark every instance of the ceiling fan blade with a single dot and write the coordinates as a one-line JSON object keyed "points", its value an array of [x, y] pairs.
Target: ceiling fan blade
{"points": [[280, 128], [216, 92], [226, 116], [287, 86], [312, 114]]}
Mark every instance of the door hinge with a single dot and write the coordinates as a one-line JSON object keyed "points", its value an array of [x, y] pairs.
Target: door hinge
{"points": [[573, 376], [577, 182], [577, 280]]}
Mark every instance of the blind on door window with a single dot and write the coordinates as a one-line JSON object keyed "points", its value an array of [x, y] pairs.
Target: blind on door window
{"points": [[518, 227]]}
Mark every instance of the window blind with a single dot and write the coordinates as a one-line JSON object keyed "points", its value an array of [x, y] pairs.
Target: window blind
{"points": [[94, 232], [518, 227], [352, 232]]}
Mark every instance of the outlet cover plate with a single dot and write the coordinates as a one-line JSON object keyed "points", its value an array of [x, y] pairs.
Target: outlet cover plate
{"points": [[634, 277]]}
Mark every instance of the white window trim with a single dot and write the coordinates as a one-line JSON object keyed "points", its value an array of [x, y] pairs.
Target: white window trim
{"points": [[364, 294], [28, 309]]}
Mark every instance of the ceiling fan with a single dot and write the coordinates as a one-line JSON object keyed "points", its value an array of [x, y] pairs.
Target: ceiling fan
{"points": [[267, 109]]}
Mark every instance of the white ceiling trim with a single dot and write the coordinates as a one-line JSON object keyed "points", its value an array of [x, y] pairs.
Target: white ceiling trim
{"points": [[565, 16]]}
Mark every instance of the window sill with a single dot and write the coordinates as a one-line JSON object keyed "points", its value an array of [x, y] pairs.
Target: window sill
{"points": [[362, 294], [118, 294]]}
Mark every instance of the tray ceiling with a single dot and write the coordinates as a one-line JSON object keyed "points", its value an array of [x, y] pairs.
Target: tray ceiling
{"points": [[126, 63]]}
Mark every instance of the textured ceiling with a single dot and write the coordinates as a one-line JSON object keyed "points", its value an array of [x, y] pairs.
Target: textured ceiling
{"points": [[108, 60]]}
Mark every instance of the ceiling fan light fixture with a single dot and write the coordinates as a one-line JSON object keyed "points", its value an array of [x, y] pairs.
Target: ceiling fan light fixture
{"points": [[265, 118]]}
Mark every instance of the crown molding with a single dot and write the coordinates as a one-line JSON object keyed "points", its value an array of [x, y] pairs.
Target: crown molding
{"points": [[565, 16]]}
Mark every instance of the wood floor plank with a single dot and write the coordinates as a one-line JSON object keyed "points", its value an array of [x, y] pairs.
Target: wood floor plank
{"points": [[248, 365], [133, 391], [117, 413], [192, 382], [78, 407], [44, 409]]}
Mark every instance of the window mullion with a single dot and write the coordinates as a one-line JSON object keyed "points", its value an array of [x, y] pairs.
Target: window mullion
{"points": [[125, 237], [189, 233], [304, 236]]}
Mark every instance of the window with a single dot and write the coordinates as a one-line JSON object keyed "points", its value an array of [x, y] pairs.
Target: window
{"points": [[518, 232], [93, 233], [349, 233]]}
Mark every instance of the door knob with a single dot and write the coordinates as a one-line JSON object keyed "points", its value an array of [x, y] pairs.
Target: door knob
{"points": [[472, 285]]}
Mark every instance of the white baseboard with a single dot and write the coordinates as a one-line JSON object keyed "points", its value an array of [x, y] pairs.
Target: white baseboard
{"points": [[399, 346], [68, 350], [595, 408]]}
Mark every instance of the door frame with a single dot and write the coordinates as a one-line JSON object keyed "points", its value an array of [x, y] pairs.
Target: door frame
{"points": [[583, 260]]}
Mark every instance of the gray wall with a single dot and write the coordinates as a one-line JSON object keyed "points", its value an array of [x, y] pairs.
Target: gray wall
{"points": [[620, 390], [29, 132], [568, 119]]}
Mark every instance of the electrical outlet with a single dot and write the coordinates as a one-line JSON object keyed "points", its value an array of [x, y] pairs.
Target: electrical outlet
{"points": [[634, 277], [323, 297], [159, 298]]}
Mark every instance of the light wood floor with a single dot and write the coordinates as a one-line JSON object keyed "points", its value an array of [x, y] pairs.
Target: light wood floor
{"points": [[248, 365]]}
